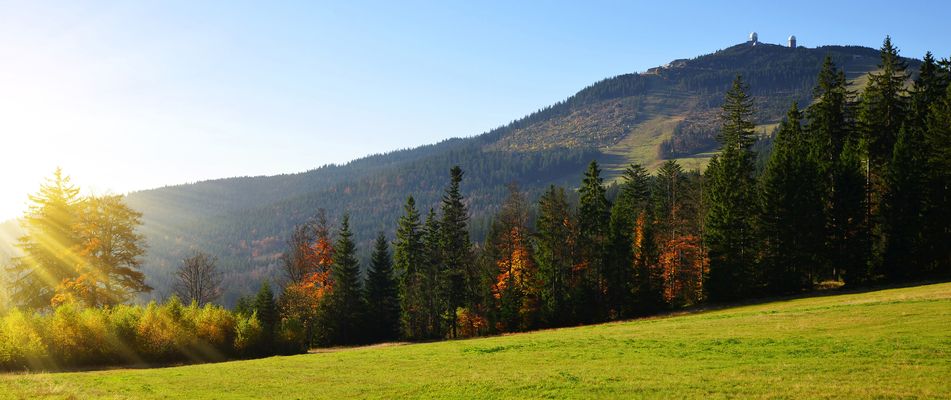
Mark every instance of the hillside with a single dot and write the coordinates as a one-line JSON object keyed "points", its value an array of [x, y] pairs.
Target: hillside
{"points": [[667, 112], [882, 344]]}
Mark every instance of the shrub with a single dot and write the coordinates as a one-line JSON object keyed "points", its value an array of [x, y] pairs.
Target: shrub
{"points": [[21, 342], [249, 336], [291, 337]]}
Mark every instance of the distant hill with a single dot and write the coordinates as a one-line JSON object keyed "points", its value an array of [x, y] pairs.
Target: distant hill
{"points": [[667, 112]]}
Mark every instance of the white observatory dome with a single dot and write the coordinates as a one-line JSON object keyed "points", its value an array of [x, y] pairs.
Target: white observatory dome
{"points": [[754, 37], [792, 41]]}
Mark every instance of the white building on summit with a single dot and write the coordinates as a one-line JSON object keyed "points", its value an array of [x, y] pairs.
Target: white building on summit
{"points": [[754, 38], [792, 42]]}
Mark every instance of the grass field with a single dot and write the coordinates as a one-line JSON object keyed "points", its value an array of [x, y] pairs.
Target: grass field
{"points": [[892, 343]]}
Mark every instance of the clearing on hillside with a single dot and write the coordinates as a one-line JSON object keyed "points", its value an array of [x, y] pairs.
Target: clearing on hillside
{"points": [[882, 344]]}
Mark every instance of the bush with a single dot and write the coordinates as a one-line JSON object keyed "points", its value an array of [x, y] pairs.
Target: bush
{"points": [[21, 342], [249, 336], [77, 336]]}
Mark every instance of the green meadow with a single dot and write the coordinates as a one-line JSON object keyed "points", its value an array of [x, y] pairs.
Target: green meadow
{"points": [[893, 343]]}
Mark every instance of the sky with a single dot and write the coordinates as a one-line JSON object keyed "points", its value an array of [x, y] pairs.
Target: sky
{"points": [[134, 95]]}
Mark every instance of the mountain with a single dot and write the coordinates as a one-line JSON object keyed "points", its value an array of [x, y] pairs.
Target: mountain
{"points": [[667, 112]]}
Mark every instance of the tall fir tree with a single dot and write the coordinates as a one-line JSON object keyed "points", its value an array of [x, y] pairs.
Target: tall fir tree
{"points": [[50, 246], [791, 219], [515, 280], [829, 129], [938, 213], [632, 200], [436, 286], [265, 307], [732, 202], [382, 297], [555, 244], [593, 244], [408, 258], [345, 307], [882, 113], [459, 276]]}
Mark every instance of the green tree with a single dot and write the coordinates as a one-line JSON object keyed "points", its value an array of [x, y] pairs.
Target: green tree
{"points": [[408, 258], [346, 310], [882, 113], [435, 284], [731, 206], [459, 276], [829, 130], [632, 200], [938, 213], [555, 243], [515, 283], [593, 242], [382, 298], [791, 219], [266, 310]]}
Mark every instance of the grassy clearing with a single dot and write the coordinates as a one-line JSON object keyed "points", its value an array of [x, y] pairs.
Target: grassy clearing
{"points": [[892, 343]]}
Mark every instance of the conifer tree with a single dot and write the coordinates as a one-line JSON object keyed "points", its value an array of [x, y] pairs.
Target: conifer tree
{"points": [[383, 307], [50, 246], [555, 255], [346, 309], [938, 139], [266, 310], [731, 191], [849, 236], [459, 275], [631, 201], [435, 287], [829, 129], [882, 114], [791, 220], [515, 283], [593, 243], [408, 258]]}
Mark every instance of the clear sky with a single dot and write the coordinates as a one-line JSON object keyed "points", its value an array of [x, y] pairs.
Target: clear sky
{"points": [[130, 95]]}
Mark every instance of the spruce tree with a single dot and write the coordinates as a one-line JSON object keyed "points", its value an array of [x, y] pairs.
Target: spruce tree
{"points": [[849, 236], [631, 201], [791, 220], [382, 297], [50, 246], [829, 129], [555, 244], [346, 307], [407, 258], [882, 114], [436, 287], [459, 277], [266, 310], [593, 243], [938, 212], [732, 202]]}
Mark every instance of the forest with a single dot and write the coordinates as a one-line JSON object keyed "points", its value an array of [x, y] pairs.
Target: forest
{"points": [[853, 191]]}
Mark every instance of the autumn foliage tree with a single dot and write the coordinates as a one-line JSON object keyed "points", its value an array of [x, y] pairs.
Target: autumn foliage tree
{"points": [[515, 289]]}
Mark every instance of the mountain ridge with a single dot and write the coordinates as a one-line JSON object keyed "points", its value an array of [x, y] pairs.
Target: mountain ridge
{"points": [[666, 112]]}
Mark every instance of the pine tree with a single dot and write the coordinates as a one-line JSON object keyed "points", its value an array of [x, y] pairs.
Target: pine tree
{"points": [[938, 212], [932, 110], [346, 308], [515, 284], [266, 309], [593, 242], [435, 288], [631, 201], [408, 258], [729, 226], [791, 219], [903, 205], [459, 275], [849, 236], [882, 113], [50, 246], [382, 297], [829, 129], [555, 255]]}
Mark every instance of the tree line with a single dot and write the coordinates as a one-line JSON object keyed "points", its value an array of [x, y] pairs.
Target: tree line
{"points": [[854, 189]]}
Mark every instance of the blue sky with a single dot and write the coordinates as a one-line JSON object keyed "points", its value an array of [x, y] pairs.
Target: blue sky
{"points": [[134, 95]]}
